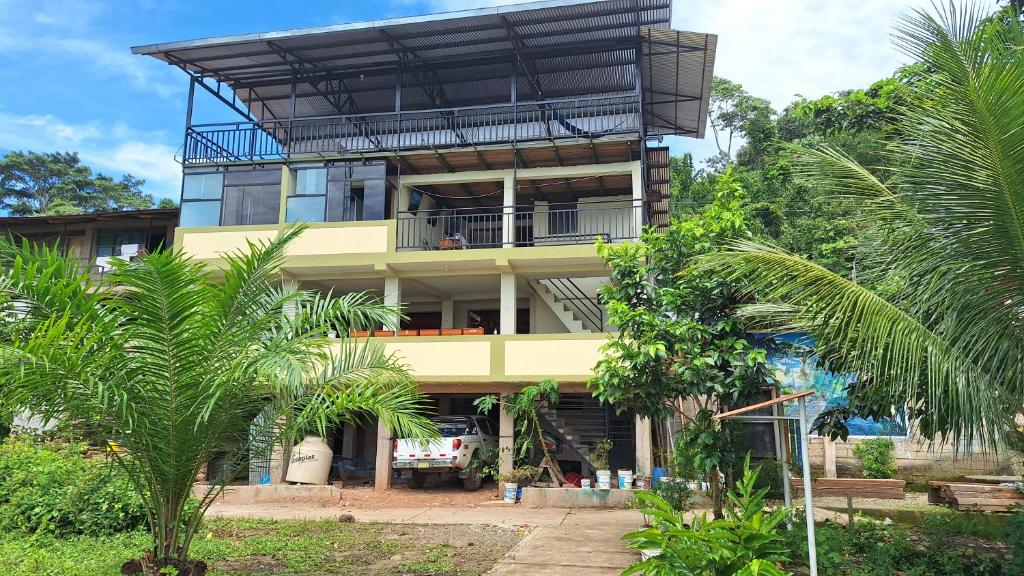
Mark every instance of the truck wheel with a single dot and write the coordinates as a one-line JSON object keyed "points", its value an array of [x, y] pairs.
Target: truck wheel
{"points": [[473, 482], [415, 481]]}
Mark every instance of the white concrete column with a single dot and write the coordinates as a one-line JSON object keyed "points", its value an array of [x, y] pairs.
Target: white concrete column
{"points": [[508, 218], [644, 446], [829, 449], [393, 294], [506, 440], [508, 304], [638, 198], [447, 313], [385, 451]]}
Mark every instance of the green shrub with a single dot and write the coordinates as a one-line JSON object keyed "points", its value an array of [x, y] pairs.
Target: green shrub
{"points": [[46, 488], [876, 456], [676, 493], [746, 541]]}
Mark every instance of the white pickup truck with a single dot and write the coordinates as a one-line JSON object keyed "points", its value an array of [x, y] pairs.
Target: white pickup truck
{"points": [[462, 439]]}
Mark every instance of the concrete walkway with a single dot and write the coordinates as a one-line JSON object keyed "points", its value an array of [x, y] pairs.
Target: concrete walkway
{"points": [[585, 542], [562, 541]]}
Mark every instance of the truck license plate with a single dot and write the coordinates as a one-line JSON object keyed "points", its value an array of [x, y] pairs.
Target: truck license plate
{"points": [[425, 464]]}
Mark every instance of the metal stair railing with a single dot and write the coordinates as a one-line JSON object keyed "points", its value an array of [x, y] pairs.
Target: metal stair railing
{"points": [[585, 307]]}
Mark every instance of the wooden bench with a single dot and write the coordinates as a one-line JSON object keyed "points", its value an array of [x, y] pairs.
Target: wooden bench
{"points": [[974, 496], [857, 487]]}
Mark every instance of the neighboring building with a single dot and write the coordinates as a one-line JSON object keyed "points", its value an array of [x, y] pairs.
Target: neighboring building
{"points": [[461, 165], [95, 238]]}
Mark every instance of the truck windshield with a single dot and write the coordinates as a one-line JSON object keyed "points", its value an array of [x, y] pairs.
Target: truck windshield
{"points": [[452, 428]]}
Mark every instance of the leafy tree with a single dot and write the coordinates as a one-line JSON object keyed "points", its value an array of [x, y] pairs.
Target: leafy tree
{"points": [[58, 183], [177, 364], [944, 336], [166, 203], [733, 111], [678, 337]]}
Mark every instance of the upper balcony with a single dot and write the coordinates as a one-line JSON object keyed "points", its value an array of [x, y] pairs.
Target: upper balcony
{"points": [[546, 71], [309, 138]]}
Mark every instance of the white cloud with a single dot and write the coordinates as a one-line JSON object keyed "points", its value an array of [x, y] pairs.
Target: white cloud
{"points": [[65, 29], [114, 150]]}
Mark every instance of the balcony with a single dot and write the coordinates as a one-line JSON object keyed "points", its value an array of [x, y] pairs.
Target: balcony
{"points": [[518, 226], [444, 128]]}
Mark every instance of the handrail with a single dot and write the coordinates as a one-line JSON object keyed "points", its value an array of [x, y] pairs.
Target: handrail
{"points": [[623, 97], [570, 293], [484, 227], [584, 118]]}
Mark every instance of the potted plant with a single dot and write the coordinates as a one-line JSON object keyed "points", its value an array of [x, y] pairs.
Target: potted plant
{"points": [[515, 479], [599, 459], [643, 479]]}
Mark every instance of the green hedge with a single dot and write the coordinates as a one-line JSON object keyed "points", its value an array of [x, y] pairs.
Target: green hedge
{"points": [[55, 489]]}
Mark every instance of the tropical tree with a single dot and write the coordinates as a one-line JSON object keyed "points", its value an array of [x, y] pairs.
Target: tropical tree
{"points": [[177, 363], [680, 350], [940, 336], [57, 183]]}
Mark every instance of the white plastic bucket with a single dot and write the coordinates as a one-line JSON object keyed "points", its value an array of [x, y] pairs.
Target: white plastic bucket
{"points": [[625, 479], [585, 483], [510, 492], [604, 479]]}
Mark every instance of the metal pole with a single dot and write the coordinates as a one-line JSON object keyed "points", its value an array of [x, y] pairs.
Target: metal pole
{"points": [[783, 458], [812, 553]]}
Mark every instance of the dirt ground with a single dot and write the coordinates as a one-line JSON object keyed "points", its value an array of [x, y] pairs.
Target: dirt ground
{"points": [[443, 494]]}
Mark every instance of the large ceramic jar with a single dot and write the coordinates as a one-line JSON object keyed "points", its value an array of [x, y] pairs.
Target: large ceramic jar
{"points": [[310, 462]]}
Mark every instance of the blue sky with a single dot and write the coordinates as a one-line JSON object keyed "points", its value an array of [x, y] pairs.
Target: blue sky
{"points": [[68, 80]]}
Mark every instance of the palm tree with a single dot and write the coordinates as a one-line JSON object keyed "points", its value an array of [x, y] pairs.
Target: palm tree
{"points": [[941, 332], [177, 362]]}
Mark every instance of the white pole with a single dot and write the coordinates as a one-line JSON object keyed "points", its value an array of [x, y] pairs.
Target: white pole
{"points": [[812, 553], [783, 458]]}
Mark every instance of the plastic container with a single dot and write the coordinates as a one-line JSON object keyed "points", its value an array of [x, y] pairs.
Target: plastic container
{"points": [[625, 479], [657, 475], [310, 462], [511, 491], [604, 479], [642, 483], [585, 483]]}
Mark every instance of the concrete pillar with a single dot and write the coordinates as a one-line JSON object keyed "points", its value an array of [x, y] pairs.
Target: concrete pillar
{"points": [[829, 447], [638, 198], [508, 218], [393, 294], [447, 313], [385, 451], [508, 304], [644, 447], [506, 440]]}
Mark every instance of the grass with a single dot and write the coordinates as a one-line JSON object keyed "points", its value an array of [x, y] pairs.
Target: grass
{"points": [[244, 547]]}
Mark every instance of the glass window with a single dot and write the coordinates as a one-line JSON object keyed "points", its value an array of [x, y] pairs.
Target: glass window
{"points": [[202, 187], [110, 243], [245, 205], [305, 209], [311, 182], [199, 214]]}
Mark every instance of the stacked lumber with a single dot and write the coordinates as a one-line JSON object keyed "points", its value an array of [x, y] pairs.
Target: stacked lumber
{"points": [[859, 487], [856, 487], [974, 496]]}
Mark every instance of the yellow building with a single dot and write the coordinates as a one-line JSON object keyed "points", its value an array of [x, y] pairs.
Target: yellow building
{"points": [[461, 165]]}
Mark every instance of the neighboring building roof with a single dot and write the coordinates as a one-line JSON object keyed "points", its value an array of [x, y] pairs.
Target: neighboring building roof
{"points": [[573, 47], [151, 214]]}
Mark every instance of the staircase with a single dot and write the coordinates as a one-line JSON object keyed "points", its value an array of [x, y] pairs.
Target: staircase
{"points": [[580, 313], [581, 422]]}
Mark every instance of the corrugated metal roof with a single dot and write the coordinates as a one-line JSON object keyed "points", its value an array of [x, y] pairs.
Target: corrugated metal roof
{"points": [[569, 47]]}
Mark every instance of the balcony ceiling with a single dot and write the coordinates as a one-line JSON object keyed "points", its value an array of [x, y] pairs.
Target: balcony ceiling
{"points": [[563, 48]]}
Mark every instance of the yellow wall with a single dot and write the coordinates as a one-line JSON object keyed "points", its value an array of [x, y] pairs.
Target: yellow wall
{"points": [[496, 359], [337, 238], [542, 358]]}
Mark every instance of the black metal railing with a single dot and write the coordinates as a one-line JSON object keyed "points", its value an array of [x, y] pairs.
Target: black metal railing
{"points": [[587, 308], [578, 118], [468, 228]]}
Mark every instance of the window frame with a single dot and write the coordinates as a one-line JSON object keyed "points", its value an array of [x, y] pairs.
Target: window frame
{"points": [[295, 193], [203, 198]]}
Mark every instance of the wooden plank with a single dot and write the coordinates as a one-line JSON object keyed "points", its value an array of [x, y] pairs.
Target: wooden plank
{"points": [[765, 404]]}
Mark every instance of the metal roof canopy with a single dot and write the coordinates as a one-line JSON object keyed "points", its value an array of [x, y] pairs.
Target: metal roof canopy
{"points": [[553, 49]]}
